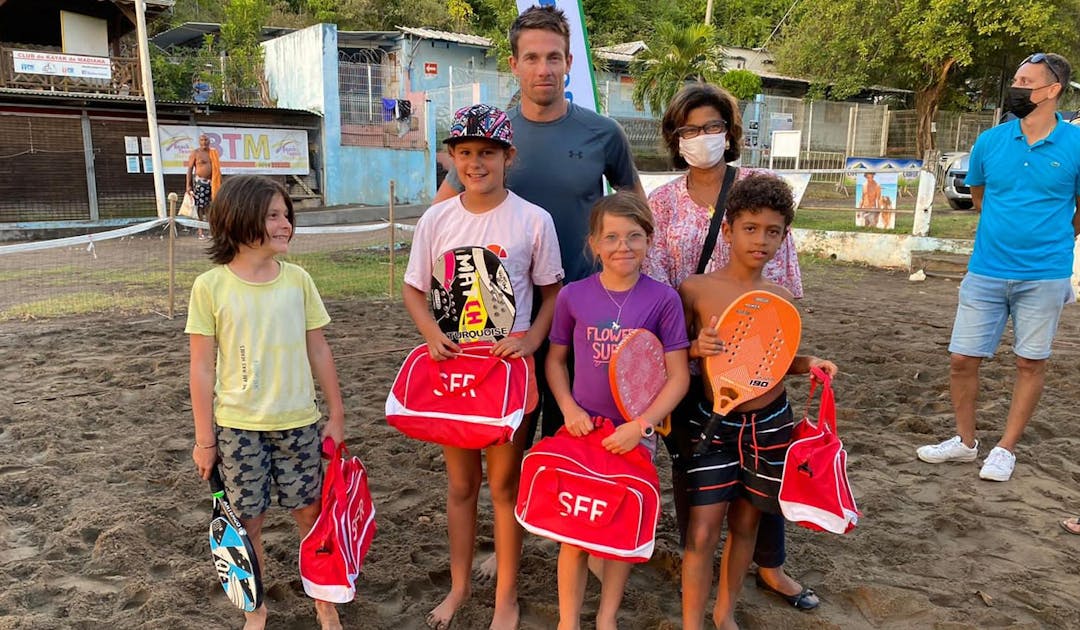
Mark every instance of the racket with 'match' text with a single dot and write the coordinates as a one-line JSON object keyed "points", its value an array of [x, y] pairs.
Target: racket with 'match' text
{"points": [[637, 372], [471, 295], [234, 556], [760, 332]]}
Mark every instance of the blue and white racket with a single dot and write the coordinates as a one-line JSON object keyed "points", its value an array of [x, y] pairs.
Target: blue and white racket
{"points": [[234, 556]]}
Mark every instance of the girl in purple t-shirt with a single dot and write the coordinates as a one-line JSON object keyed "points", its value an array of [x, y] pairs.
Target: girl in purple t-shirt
{"points": [[593, 315]]}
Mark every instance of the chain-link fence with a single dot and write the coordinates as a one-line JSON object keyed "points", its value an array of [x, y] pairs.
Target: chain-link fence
{"points": [[370, 116], [148, 268]]}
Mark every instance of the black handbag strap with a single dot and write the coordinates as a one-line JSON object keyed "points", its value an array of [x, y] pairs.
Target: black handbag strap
{"points": [[718, 216]]}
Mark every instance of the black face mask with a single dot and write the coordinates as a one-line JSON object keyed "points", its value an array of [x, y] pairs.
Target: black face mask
{"points": [[1018, 102]]}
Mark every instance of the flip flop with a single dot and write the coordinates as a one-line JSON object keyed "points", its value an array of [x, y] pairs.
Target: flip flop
{"points": [[1071, 525], [805, 599]]}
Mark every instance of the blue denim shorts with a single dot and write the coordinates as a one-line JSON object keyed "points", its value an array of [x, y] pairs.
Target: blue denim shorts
{"points": [[986, 304]]}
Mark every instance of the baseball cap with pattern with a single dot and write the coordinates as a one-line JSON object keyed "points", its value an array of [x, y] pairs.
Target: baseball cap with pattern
{"points": [[483, 122]]}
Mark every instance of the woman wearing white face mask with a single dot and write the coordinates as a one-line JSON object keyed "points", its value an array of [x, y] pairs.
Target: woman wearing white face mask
{"points": [[702, 130]]}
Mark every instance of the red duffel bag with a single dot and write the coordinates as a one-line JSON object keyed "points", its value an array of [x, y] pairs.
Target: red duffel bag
{"points": [[815, 492], [574, 491], [333, 551], [474, 400]]}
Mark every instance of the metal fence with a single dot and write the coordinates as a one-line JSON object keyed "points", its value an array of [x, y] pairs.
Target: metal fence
{"points": [[830, 129], [371, 115]]}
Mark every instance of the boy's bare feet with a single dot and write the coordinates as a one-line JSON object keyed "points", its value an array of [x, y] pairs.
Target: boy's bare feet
{"points": [[506, 617], [255, 620], [327, 614], [440, 617], [485, 571]]}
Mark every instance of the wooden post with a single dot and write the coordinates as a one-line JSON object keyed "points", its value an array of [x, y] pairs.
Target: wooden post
{"points": [[392, 230], [172, 250]]}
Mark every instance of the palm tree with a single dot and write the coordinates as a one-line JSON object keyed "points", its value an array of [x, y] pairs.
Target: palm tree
{"points": [[674, 56]]}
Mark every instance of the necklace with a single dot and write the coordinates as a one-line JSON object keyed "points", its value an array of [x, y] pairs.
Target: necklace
{"points": [[690, 189], [616, 325]]}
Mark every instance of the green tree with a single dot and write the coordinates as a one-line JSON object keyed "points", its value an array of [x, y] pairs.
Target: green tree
{"points": [[927, 46], [743, 84], [674, 56], [241, 34]]}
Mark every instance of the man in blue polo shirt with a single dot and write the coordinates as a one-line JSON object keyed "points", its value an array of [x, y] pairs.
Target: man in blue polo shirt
{"points": [[1025, 181]]}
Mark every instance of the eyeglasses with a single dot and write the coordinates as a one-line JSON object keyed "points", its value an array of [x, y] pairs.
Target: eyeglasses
{"points": [[709, 128], [635, 240], [1043, 59]]}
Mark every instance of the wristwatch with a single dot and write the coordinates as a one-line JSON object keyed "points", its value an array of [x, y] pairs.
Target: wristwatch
{"points": [[647, 428]]}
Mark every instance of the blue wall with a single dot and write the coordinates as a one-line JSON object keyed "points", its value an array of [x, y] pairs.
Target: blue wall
{"points": [[446, 54], [303, 72]]}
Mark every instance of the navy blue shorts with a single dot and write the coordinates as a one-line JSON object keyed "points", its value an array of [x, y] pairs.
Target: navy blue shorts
{"points": [[746, 459]]}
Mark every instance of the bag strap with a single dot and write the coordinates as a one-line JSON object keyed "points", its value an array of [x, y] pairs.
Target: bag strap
{"points": [[604, 427], [719, 210], [827, 406]]}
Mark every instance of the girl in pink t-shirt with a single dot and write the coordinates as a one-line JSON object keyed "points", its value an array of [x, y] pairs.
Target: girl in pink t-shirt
{"points": [[486, 214]]}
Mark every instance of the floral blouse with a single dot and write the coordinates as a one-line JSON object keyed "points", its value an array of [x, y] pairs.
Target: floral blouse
{"points": [[681, 228]]}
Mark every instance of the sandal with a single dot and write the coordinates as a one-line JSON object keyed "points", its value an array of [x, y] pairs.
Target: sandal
{"points": [[805, 599], [1071, 525]]}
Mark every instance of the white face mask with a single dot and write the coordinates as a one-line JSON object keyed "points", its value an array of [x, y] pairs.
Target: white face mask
{"points": [[704, 151]]}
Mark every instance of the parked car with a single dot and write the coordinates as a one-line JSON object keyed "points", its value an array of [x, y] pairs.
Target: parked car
{"points": [[956, 191]]}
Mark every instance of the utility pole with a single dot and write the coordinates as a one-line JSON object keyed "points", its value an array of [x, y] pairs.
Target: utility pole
{"points": [[708, 13], [151, 107]]}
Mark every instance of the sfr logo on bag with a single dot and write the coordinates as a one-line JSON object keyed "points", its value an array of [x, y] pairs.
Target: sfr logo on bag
{"points": [[575, 505], [455, 382]]}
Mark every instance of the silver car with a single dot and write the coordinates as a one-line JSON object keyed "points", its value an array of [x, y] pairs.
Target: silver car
{"points": [[957, 193]]}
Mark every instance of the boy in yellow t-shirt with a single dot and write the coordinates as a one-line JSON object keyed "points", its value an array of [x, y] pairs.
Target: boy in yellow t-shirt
{"points": [[255, 326]]}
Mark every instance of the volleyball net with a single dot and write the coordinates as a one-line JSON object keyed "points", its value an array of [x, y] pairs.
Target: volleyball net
{"points": [[150, 267]]}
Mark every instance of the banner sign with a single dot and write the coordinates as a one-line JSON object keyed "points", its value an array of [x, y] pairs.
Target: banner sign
{"points": [[246, 150], [61, 65], [580, 83]]}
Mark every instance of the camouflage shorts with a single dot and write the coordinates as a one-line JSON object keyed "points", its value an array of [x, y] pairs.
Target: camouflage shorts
{"points": [[252, 461]]}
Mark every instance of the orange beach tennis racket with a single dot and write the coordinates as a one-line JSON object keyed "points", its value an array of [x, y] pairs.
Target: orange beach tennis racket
{"points": [[637, 373], [760, 332]]}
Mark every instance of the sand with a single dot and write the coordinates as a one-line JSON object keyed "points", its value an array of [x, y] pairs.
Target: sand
{"points": [[103, 520]]}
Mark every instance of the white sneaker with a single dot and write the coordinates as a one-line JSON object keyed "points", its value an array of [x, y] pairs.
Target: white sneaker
{"points": [[951, 450], [998, 466]]}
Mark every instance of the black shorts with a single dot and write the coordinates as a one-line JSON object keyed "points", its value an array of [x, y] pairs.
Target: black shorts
{"points": [[745, 460]]}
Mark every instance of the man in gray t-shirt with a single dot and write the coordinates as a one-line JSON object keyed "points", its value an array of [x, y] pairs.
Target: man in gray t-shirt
{"points": [[563, 153]]}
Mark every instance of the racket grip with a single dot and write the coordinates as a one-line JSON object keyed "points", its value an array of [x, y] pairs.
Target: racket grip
{"points": [[707, 434]]}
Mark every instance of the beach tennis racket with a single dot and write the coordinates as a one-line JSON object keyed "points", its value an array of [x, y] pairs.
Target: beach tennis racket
{"points": [[471, 295], [234, 556], [637, 373], [760, 332]]}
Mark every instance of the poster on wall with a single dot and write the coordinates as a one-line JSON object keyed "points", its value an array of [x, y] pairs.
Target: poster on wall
{"points": [[875, 200], [60, 65], [132, 164], [247, 150]]}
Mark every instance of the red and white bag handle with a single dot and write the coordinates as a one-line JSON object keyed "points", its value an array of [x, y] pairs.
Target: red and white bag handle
{"points": [[827, 406]]}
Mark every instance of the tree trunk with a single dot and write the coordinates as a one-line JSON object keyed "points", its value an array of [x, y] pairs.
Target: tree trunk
{"points": [[926, 107]]}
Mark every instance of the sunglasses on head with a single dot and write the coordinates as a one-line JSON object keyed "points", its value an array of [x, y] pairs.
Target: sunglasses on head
{"points": [[1043, 59]]}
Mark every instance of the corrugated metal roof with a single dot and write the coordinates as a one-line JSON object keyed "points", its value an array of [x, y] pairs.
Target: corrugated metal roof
{"points": [[97, 96], [627, 48], [119, 98], [446, 36]]}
